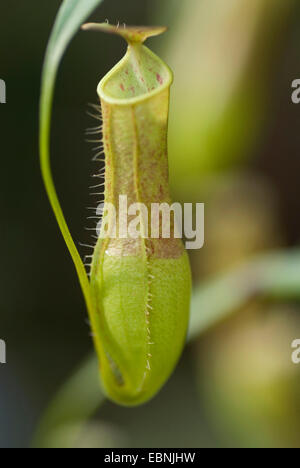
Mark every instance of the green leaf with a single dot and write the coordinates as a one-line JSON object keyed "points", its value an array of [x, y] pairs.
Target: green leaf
{"points": [[71, 15], [275, 275], [73, 404]]}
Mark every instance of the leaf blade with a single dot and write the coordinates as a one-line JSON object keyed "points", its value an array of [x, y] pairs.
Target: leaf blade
{"points": [[71, 15]]}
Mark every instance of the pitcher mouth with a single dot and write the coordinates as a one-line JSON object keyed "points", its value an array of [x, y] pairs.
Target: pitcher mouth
{"points": [[121, 87]]}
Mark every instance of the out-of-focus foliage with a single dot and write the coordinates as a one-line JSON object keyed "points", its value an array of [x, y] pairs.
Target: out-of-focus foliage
{"points": [[222, 56], [79, 398], [247, 379], [240, 220]]}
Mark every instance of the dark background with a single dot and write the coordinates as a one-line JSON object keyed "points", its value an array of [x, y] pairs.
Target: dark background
{"points": [[42, 313]]}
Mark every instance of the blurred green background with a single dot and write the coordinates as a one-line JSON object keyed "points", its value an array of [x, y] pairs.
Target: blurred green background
{"points": [[234, 144]]}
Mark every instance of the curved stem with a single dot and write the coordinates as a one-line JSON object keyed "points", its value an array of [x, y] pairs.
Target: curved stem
{"points": [[71, 15], [45, 125]]}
